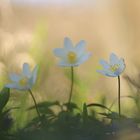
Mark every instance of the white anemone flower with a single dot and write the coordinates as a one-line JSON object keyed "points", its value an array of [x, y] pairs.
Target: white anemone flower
{"points": [[72, 56], [25, 80], [114, 68]]}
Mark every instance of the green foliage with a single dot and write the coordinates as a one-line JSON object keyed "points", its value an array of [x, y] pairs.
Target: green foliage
{"points": [[4, 98], [71, 123], [5, 116], [98, 105], [66, 124]]}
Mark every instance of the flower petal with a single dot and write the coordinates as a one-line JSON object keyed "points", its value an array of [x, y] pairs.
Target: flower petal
{"points": [[114, 59], [104, 64], [80, 55], [26, 70], [122, 64], [110, 74], [66, 64], [83, 58], [14, 77], [121, 67], [101, 72], [12, 85], [80, 47], [68, 43], [59, 52], [107, 73], [34, 74]]}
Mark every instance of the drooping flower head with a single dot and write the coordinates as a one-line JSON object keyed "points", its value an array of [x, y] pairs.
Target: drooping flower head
{"points": [[72, 56], [114, 68], [25, 80]]}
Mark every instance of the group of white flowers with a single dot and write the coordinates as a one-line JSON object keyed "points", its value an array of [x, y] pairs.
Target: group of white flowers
{"points": [[70, 56]]}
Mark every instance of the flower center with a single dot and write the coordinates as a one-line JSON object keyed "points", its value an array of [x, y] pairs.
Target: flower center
{"points": [[23, 81], [114, 68], [72, 57]]}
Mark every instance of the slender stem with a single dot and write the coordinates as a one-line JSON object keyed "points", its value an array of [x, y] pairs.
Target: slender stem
{"points": [[72, 81], [35, 103], [119, 95]]}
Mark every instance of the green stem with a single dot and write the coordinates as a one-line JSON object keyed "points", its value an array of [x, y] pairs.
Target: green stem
{"points": [[71, 89], [119, 96], [35, 104]]}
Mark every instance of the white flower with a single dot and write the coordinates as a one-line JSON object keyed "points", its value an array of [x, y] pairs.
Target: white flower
{"points": [[25, 80], [72, 56], [114, 68]]}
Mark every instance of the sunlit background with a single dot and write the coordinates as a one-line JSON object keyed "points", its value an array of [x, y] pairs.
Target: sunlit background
{"points": [[31, 29]]}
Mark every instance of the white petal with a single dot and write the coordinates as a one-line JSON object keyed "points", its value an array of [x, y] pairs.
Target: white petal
{"points": [[27, 87], [66, 64], [83, 58], [122, 64], [121, 67], [12, 85], [104, 64], [80, 47], [68, 43], [111, 74], [26, 70], [118, 72], [17, 86], [114, 59], [34, 74], [14, 77], [79, 61], [101, 72], [107, 73], [23, 88], [59, 52]]}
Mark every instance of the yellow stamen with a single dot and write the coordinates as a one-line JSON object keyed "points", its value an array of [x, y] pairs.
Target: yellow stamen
{"points": [[23, 81], [72, 57], [114, 68]]}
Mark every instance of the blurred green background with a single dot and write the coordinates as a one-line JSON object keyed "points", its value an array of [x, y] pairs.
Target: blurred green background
{"points": [[30, 31]]}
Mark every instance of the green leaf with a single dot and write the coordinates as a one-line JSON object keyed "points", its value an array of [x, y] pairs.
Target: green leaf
{"points": [[4, 97], [98, 105], [45, 105], [85, 112], [71, 106]]}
